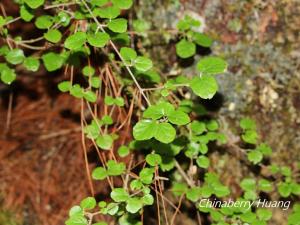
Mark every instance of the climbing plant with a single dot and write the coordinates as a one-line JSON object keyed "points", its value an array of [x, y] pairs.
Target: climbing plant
{"points": [[170, 129]]}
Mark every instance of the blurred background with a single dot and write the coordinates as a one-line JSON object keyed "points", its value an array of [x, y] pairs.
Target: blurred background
{"points": [[41, 162]]}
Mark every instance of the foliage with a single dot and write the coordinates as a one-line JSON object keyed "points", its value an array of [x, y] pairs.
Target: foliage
{"points": [[165, 128]]}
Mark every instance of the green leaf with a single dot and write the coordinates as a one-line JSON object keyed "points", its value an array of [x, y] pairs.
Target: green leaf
{"points": [[99, 2], [64, 86], [122, 4], [202, 40], [294, 218], [15, 56], [34, 3], [148, 199], [251, 195], [265, 185], [221, 191], [77, 220], [52, 61], [108, 100], [95, 82], [99, 173], [264, 214], [165, 133], [63, 18], [143, 64], [178, 117], [92, 130], [128, 54], [105, 141], [8, 75], [248, 217], [255, 156], [76, 91], [53, 36], [216, 216], [76, 210], [203, 148], [136, 185], [212, 125], [198, 127], [247, 124], [157, 111], [187, 22], [250, 137], [112, 208], [264, 149], [134, 205], [88, 203], [114, 168], [26, 13], [165, 92], [192, 150], [119, 195], [102, 204], [205, 86], [44, 22], [98, 40], [146, 175], [194, 194], [2, 21], [202, 162], [248, 184], [212, 65], [110, 12], [118, 25], [207, 191], [144, 130], [75, 41], [274, 169], [153, 159], [88, 71], [123, 151], [107, 120], [185, 49], [32, 64], [146, 190], [4, 50], [295, 188], [259, 222], [119, 101], [284, 189], [90, 96], [286, 171], [179, 189]]}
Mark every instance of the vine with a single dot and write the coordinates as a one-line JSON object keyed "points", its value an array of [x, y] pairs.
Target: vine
{"points": [[167, 125]]}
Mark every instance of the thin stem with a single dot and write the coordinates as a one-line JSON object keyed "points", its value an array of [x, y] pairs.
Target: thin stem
{"points": [[9, 111], [32, 40], [161, 194], [184, 175], [162, 87], [177, 210], [31, 47], [60, 5], [12, 21], [85, 152]]}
